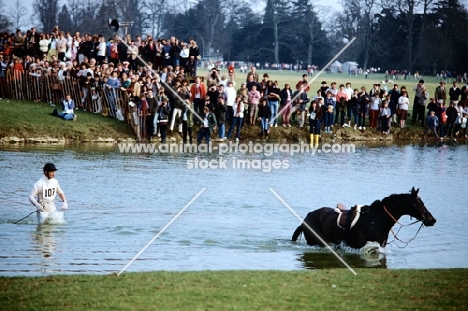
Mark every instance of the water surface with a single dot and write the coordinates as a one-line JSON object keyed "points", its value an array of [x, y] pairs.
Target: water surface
{"points": [[119, 202]]}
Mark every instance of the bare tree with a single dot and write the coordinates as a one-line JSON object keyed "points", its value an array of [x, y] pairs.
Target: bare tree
{"points": [[409, 7], [207, 25], [18, 13], [5, 22], [277, 12], [155, 10], [308, 29], [131, 11], [74, 10], [237, 16], [360, 18]]}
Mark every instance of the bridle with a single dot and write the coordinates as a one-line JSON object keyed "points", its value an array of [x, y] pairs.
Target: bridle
{"points": [[396, 221], [395, 235]]}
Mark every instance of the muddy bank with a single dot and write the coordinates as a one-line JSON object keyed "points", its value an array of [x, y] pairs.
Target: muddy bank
{"points": [[249, 133]]}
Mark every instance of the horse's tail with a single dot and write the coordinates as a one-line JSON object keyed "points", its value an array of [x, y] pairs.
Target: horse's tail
{"points": [[297, 233]]}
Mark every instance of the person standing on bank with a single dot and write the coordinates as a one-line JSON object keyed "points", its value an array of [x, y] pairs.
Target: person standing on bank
{"points": [[403, 104], [454, 93], [187, 121], [220, 112], [264, 116], [46, 189], [441, 92], [385, 115], [419, 104], [239, 109], [194, 57], [315, 115], [163, 116], [206, 128], [432, 124]]}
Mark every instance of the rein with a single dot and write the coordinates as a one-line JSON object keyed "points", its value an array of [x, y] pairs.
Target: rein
{"points": [[398, 239], [396, 221], [395, 235]]}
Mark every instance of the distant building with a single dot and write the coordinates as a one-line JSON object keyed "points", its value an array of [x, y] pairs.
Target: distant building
{"points": [[350, 67], [335, 66]]}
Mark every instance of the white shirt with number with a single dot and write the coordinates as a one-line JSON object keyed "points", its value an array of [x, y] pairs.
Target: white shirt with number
{"points": [[46, 190]]}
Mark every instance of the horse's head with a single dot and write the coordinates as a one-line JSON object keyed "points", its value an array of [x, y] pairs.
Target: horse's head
{"points": [[418, 210]]}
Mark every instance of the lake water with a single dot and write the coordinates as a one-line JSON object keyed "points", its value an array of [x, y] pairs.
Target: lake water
{"points": [[119, 202]]}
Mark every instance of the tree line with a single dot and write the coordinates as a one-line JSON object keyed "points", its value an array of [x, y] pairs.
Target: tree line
{"points": [[427, 36]]}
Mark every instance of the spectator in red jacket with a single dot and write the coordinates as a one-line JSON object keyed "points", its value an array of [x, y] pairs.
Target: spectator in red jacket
{"points": [[197, 94]]}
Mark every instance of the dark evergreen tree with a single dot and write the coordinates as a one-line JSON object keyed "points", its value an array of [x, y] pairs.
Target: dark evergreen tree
{"points": [[245, 43], [310, 45], [46, 12], [88, 17], [64, 20], [450, 36], [239, 16], [389, 45], [278, 14]]}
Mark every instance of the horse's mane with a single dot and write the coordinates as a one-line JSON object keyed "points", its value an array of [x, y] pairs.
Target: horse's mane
{"points": [[376, 204], [393, 198]]}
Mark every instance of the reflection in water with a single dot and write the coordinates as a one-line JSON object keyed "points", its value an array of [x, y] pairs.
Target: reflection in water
{"points": [[45, 242], [323, 259]]}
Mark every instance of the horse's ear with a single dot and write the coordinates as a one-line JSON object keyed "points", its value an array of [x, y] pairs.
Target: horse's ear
{"points": [[414, 191]]}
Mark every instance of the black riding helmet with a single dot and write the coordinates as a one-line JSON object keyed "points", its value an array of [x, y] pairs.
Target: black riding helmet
{"points": [[49, 167]]}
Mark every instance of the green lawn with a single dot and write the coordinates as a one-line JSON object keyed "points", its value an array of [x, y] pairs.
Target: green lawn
{"points": [[338, 289], [293, 77]]}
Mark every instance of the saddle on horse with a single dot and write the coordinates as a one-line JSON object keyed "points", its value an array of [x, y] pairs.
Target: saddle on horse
{"points": [[347, 218]]}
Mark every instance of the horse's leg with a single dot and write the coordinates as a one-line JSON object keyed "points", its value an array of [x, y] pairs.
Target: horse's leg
{"points": [[356, 237], [332, 232], [316, 220]]}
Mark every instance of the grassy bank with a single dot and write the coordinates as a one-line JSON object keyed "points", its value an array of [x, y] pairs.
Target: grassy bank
{"points": [[371, 289], [28, 119]]}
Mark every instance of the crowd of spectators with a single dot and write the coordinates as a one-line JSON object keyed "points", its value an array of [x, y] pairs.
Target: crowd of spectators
{"points": [[154, 83]]}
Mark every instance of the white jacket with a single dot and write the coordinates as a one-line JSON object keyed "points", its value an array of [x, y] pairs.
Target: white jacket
{"points": [[45, 190], [241, 111]]}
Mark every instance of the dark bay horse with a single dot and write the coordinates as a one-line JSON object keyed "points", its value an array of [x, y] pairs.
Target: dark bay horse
{"points": [[374, 224]]}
